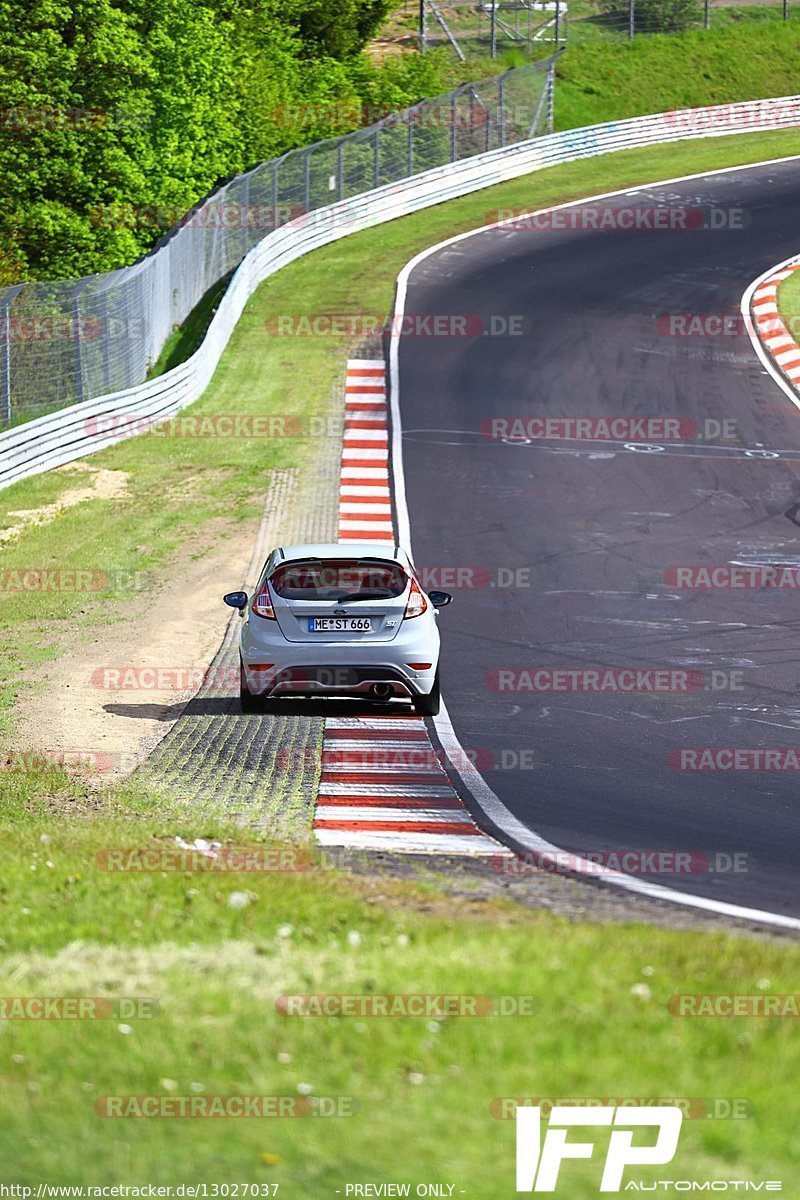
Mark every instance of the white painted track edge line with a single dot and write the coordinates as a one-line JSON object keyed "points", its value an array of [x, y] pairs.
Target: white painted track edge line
{"points": [[763, 354], [340, 788], [382, 814], [485, 799]]}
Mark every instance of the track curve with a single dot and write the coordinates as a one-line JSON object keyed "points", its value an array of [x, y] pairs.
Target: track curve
{"points": [[598, 526]]}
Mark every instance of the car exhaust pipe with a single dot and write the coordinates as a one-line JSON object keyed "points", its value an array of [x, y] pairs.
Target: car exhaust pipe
{"points": [[381, 691]]}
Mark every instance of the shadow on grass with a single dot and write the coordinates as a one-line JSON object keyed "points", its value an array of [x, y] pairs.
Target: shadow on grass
{"points": [[209, 706], [182, 342]]}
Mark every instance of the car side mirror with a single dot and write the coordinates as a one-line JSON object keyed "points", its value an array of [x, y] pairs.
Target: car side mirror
{"points": [[236, 600], [440, 599]]}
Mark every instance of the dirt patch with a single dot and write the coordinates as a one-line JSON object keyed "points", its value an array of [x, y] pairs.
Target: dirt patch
{"points": [[101, 485], [107, 700], [390, 47]]}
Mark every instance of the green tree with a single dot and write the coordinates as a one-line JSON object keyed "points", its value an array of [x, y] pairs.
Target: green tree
{"points": [[119, 115]]}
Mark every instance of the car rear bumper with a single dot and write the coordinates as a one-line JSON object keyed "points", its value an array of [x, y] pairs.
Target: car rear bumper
{"points": [[382, 681], [340, 668]]}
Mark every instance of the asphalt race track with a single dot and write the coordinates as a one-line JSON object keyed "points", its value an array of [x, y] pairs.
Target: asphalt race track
{"points": [[574, 539]]}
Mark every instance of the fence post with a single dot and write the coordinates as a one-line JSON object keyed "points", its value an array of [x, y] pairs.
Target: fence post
{"points": [[707, 14], [493, 28], [423, 13], [76, 325], [146, 292], [5, 377], [244, 211], [106, 336], [307, 181], [558, 22], [551, 92], [631, 17], [786, 10]]}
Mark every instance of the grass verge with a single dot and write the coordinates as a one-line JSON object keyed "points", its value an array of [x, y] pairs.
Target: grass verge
{"points": [[216, 950], [184, 340], [750, 53], [175, 483], [609, 80], [788, 301]]}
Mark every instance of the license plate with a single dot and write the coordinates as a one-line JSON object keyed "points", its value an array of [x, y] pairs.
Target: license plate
{"points": [[339, 625]]}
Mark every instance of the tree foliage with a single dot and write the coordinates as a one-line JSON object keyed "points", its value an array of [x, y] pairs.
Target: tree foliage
{"points": [[117, 106]]}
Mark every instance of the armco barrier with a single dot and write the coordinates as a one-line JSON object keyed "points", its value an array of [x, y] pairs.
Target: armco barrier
{"points": [[69, 340], [69, 434]]}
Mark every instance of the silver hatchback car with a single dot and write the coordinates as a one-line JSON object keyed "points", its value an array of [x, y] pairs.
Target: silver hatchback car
{"points": [[342, 619]]}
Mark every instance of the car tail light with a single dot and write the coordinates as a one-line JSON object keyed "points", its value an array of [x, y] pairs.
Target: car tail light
{"points": [[262, 605], [420, 666], [417, 604], [260, 666]]}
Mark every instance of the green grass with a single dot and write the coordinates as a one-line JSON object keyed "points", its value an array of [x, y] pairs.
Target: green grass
{"points": [[175, 484], [421, 1091], [587, 25], [183, 341], [788, 299], [607, 81], [748, 54]]}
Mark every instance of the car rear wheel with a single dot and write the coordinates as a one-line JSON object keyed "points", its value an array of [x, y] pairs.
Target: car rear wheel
{"points": [[247, 701], [428, 706]]}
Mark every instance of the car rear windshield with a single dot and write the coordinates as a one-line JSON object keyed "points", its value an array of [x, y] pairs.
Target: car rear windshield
{"points": [[333, 578]]}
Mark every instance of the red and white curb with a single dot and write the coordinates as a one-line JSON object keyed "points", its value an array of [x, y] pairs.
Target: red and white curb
{"points": [[773, 334], [383, 786], [365, 502]]}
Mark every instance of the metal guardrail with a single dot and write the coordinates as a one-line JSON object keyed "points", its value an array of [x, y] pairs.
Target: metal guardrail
{"points": [[65, 341], [79, 430]]}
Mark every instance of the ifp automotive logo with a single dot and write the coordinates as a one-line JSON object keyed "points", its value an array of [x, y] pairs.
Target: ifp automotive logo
{"points": [[538, 1163]]}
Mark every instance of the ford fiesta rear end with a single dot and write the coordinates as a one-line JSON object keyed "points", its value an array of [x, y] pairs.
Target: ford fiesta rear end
{"points": [[340, 620]]}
